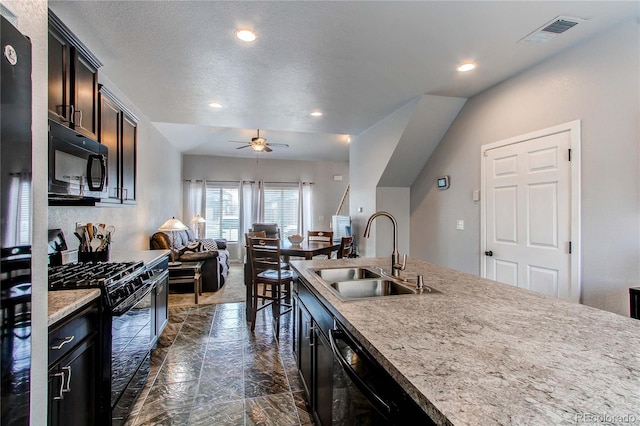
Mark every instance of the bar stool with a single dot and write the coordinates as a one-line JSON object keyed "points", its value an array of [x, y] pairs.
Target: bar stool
{"points": [[266, 270]]}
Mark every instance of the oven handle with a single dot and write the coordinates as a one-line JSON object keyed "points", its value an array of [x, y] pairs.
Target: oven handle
{"points": [[375, 399], [119, 312]]}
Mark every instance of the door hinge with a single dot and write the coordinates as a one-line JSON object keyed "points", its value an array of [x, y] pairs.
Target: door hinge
{"points": [[569, 154], [570, 248]]}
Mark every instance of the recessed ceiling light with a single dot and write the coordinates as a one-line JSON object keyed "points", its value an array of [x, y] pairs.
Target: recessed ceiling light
{"points": [[245, 34], [215, 105], [467, 66], [316, 113]]}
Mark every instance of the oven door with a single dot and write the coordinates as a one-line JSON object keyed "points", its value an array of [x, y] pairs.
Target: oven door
{"points": [[363, 392], [130, 349]]}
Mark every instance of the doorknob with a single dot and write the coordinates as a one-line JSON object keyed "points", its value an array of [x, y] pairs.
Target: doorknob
{"points": [[488, 253]]}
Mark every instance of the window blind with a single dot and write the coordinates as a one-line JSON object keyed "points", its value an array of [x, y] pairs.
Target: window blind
{"points": [[222, 211], [281, 204]]}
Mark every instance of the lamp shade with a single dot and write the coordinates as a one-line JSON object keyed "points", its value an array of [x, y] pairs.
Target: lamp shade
{"points": [[173, 224], [198, 219]]}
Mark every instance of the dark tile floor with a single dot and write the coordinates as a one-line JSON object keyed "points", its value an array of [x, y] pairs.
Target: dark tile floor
{"points": [[209, 369]]}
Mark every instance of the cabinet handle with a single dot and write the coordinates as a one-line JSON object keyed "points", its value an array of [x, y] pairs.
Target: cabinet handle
{"points": [[311, 330], [60, 374], [66, 340], [68, 387], [125, 193], [69, 118], [79, 123]]}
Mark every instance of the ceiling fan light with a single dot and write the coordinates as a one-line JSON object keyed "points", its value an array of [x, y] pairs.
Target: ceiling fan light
{"points": [[258, 147]]}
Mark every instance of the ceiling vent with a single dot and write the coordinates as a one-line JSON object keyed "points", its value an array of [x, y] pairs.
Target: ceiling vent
{"points": [[551, 30]]}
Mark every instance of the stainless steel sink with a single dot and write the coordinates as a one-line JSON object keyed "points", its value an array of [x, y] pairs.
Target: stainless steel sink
{"points": [[358, 289], [346, 274]]}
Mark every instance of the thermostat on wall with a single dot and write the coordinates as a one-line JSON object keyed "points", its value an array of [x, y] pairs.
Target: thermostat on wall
{"points": [[443, 182]]}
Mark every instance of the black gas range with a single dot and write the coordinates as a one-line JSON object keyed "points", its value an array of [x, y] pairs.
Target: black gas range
{"points": [[118, 281], [126, 334]]}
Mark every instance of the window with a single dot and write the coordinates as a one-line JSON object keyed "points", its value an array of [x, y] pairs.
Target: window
{"points": [[281, 203], [223, 211]]}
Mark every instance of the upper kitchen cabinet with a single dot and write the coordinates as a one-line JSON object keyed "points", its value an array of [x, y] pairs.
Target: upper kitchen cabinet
{"points": [[118, 131], [73, 80]]}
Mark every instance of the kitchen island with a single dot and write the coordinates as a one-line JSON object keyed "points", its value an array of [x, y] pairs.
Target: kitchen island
{"points": [[482, 352]]}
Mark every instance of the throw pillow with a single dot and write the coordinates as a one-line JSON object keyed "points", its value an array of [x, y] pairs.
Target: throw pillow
{"points": [[208, 244], [191, 248]]}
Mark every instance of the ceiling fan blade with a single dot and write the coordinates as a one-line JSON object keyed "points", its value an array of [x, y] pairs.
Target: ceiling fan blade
{"points": [[245, 142], [246, 146], [282, 145], [266, 148]]}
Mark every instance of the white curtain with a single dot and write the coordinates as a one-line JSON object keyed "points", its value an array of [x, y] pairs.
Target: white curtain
{"points": [[246, 206], [257, 204], [195, 205], [305, 209]]}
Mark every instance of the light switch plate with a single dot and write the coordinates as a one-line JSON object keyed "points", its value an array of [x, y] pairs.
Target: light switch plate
{"points": [[460, 225]]}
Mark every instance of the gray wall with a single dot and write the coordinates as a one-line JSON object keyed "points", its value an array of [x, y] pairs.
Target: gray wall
{"points": [[596, 82], [327, 192], [369, 154]]}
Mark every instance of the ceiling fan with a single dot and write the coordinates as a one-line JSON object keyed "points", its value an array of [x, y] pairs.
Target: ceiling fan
{"points": [[259, 144]]}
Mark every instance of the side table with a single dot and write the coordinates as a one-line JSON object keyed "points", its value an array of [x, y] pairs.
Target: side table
{"points": [[188, 273]]}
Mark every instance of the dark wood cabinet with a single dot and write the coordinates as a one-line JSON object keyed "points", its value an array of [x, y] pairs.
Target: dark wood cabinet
{"points": [[323, 379], [74, 366], [315, 362], [160, 309], [73, 80], [304, 341], [129, 151], [118, 131]]}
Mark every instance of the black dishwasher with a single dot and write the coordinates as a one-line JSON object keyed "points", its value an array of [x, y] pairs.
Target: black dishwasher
{"points": [[363, 392]]}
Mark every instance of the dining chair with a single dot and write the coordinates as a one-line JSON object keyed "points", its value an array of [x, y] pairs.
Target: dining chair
{"points": [[324, 236], [346, 248], [272, 230], [320, 236], [267, 271]]}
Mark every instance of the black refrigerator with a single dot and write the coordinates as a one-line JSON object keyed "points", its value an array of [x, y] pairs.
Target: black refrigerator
{"points": [[15, 224]]}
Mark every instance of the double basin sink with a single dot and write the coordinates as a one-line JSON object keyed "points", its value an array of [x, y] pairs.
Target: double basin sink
{"points": [[365, 282]]}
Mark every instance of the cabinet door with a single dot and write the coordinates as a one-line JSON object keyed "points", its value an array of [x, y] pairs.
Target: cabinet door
{"points": [[305, 347], [85, 90], [72, 386], [323, 379], [59, 78], [110, 116], [129, 145]]}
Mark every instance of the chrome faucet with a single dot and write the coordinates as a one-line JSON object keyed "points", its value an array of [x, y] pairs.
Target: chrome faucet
{"points": [[396, 266]]}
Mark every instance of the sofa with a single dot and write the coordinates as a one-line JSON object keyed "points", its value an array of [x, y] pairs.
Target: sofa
{"points": [[187, 248]]}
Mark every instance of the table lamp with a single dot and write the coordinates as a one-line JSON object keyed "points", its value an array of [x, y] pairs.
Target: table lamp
{"points": [[198, 221], [171, 226]]}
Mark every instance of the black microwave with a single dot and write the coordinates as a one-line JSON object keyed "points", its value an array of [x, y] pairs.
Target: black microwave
{"points": [[77, 167]]}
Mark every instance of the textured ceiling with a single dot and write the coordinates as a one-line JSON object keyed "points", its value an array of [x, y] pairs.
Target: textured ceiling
{"points": [[356, 61]]}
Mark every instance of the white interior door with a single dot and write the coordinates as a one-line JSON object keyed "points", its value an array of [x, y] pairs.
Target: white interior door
{"points": [[528, 213]]}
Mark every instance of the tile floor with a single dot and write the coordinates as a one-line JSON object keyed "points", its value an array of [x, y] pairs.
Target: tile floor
{"points": [[209, 369]]}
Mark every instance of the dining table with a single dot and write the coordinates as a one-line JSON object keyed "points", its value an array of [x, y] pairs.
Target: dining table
{"points": [[306, 249]]}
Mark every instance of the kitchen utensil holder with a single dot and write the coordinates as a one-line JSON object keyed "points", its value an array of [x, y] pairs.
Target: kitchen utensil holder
{"points": [[93, 256]]}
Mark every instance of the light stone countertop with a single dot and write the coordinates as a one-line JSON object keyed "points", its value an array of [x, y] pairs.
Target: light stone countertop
{"points": [[482, 352], [65, 302]]}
